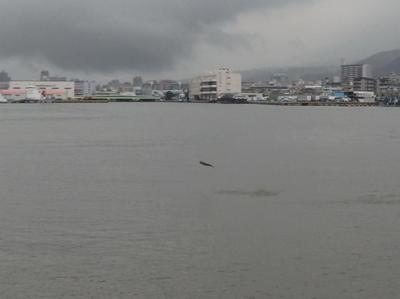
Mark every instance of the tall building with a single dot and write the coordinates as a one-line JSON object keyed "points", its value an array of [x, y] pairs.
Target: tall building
{"points": [[4, 77], [4, 80], [354, 71], [138, 81], [216, 83], [44, 76], [357, 77], [84, 88]]}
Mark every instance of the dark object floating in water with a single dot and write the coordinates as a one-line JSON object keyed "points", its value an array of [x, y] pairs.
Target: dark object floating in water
{"points": [[206, 164]]}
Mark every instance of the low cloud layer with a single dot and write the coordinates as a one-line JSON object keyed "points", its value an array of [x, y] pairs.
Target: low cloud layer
{"points": [[99, 35], [182, 36]]}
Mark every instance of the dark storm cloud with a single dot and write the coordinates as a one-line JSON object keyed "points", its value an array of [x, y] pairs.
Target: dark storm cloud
{"points": [[109, 35]]}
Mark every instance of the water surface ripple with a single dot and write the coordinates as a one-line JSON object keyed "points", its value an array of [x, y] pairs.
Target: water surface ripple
{"points": [[109, 201]]}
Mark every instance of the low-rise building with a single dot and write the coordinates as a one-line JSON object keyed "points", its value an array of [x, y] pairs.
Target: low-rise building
{"points": [[62, 90], [364, 84], [364, 96], [389, 85], [251, 97]]}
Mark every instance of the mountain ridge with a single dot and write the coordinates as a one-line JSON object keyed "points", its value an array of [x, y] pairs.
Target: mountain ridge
{"points": [[382, 63]]}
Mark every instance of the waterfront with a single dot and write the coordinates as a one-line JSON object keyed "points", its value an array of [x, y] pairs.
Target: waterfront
{"points": [[306, 103], [109, 201]]}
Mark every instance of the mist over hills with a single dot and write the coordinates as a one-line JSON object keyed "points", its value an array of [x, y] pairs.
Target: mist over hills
{"points": [[294, 73], [382, 63]]}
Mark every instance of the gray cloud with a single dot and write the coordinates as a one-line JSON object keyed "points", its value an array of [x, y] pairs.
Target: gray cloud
{"points": [[103, 35]]}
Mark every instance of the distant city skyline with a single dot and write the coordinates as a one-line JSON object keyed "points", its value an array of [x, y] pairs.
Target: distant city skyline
{"points": [[98, 39]]}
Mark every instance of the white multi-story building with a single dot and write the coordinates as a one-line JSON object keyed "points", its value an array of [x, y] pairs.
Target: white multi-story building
{"points": [[214, 84], [55, 89]]}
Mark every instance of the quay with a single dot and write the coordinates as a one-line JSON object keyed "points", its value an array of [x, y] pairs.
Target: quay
{"points": [[144, 99], [323, 104]]}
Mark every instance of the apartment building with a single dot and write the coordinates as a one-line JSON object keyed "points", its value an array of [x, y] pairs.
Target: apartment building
{"points": [[212, 85]]}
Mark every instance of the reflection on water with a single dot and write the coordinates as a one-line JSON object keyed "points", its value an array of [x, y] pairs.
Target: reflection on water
{"points": [[376, 199], [258, 193]]}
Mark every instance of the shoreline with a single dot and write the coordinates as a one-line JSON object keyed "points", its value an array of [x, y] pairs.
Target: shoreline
{"points": [[293, 104]]}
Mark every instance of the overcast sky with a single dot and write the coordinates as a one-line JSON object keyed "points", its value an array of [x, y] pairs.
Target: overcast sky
{"points": [[179, 38]]}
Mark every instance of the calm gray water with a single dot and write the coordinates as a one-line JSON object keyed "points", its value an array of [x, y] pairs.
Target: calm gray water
{"points": [[109, 201]]}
